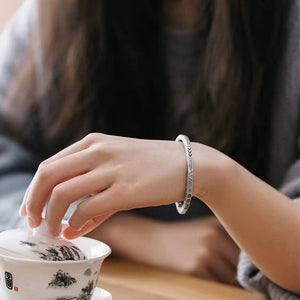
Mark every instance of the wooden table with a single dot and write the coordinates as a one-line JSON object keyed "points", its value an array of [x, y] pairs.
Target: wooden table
{"points": [[128, 281]]}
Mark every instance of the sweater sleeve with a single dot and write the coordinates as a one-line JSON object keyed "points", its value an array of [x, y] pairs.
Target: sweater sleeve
{"points": [[249, 275], [17, 165]]}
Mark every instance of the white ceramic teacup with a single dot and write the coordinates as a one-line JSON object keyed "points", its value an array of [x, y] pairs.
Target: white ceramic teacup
{"points": [[31, 279]]}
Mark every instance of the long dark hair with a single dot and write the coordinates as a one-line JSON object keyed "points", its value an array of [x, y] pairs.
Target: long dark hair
{"points": [[98, 64]]}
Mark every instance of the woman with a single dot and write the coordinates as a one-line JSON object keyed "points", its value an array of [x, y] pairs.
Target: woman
{"points": [[108, 67]]}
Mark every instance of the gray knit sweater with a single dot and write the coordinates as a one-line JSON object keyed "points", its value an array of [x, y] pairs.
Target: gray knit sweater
{"points": [[17, 165]]}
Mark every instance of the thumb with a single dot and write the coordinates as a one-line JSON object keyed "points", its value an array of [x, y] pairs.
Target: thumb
{"points": [[70, 233]]}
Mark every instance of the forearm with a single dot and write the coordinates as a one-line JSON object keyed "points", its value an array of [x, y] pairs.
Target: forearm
{"points": [[262, 221], [129, 236]]}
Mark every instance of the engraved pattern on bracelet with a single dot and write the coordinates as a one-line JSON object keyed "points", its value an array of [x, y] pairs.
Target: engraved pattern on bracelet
{"points": [[183, 206]]}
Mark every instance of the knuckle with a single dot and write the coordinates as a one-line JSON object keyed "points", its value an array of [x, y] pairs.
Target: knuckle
{"points": [[199, 262], [32, 207], [204, 254], [192, 267], [126, 189], [58, 192], [95, 150], [42, 172], [204, 258], [100, 150], [43, 164], [91, 138], [210, 236]]}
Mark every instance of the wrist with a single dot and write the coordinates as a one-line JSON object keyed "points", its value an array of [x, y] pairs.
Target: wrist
{"points": [[213, 171]]}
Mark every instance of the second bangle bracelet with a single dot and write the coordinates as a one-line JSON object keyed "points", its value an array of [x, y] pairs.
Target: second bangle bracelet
{"points": [[183, 206]]}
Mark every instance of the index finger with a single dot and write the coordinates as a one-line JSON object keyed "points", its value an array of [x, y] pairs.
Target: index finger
{"points": [[72, 149], [51, 175], [76, 147]]}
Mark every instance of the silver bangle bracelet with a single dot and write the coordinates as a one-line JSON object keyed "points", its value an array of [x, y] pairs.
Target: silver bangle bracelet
{"points": [[183, 206]]}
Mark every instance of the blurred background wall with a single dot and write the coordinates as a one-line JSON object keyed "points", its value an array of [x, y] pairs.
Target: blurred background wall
{"points": [[7, 9]]}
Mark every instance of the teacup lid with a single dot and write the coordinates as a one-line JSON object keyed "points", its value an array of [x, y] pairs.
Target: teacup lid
{"points": [[36, 244]]}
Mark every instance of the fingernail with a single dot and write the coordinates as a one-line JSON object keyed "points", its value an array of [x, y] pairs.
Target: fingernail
{"points": [[22, 211], [55, 232], [32, 222]]}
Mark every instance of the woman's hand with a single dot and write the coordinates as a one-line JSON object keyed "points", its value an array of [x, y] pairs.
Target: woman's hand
{"points": [[199, 247], [118, 173]]}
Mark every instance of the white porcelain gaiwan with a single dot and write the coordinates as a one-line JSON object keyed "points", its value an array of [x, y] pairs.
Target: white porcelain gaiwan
{"points": [[39, 245], [34, 266]]}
